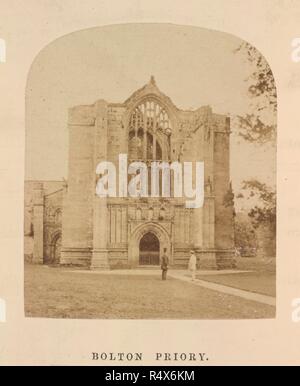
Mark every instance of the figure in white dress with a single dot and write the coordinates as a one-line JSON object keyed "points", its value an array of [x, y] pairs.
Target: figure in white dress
{"points": [[193, 265]]}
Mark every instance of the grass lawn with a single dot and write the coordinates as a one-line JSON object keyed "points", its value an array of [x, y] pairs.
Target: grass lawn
{"points": [[257, 264], [259, 282], [59, 293]]}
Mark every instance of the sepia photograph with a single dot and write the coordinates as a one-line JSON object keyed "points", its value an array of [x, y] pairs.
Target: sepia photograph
{"points": [[150, 176]]}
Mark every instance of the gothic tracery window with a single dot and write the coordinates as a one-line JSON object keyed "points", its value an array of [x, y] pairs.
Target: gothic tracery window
{"points": [[149, 131]]}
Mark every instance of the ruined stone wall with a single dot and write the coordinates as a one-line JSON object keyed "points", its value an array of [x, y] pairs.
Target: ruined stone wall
{"points": [[77, 234], [52, 223], [224, 229], [97, 232], [47, 187]]}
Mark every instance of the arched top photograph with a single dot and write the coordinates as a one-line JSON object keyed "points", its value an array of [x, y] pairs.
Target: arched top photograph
{"points": [[150, 162]]}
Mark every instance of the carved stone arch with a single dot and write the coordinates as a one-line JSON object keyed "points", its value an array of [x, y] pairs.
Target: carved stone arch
{"points": [[149, 127], [170, 110], [149, 227], [150, 93], [55, 246]]}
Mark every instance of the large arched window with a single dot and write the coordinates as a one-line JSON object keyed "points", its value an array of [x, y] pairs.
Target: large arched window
{"points": [[149, 132]]}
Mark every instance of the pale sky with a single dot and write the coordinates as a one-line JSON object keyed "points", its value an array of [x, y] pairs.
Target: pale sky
{"points": [[193, 66]]}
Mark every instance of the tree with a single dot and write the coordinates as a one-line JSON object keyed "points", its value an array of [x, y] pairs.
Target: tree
{"points": [[254, 126], [244, 236], [264, 211]]}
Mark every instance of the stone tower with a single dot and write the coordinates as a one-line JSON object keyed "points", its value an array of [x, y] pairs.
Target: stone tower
{"points": [[120, 232]]}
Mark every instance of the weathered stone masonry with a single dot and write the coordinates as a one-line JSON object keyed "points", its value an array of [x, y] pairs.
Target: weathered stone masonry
{"points": [[128, 232]]}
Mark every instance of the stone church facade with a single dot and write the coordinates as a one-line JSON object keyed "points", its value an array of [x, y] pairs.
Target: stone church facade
{"points": [[73, 226]]}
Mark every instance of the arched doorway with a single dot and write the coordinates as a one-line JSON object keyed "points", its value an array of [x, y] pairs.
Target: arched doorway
{"points": [[56, 249], [135, 242], [149, 250]]}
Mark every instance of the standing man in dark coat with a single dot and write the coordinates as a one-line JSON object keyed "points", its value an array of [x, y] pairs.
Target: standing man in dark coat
{"points": [[164, 264]]}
